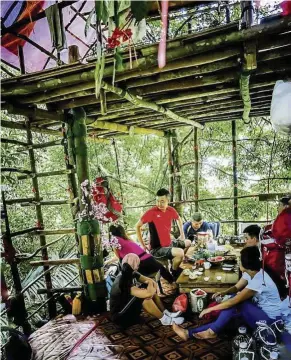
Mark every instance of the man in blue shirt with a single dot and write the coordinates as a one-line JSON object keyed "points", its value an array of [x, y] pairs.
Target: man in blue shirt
{"points": [[191, 228]]}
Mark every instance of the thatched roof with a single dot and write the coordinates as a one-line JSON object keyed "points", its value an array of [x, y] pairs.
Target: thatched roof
{"points": [[200, 82]]}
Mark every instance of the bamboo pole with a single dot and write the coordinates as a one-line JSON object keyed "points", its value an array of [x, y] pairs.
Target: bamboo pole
{"points": [[171, 167], [60, 290], [150, 105], [23, 232], [235, 180], [19, 201], [177, 174], [33, 113], [21, 126], [51, 202], [7, 239], [196, 169], [41, 146], [125, 129], [12, 141], [56, 231], [46, 174], [55, 262]]}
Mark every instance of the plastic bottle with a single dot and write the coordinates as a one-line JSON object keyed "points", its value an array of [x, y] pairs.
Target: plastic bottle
{"points": [[274, 355], [242, 337], [243, 352]]}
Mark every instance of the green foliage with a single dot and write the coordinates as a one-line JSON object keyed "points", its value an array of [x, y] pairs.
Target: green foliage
{"points": [[139, 9]]}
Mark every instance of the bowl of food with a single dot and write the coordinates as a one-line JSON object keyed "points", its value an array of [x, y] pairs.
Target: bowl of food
{"points": [[216, 260]]}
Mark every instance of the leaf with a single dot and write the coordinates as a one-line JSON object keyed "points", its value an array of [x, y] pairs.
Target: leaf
{"points": [[139, 9], [88, 21], [118, 60], [99, 70], [102, 13]]}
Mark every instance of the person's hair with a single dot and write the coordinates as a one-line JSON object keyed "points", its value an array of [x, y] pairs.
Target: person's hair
{"points": [[250, 258], [286, 200], [118, 230], [253, 231], [197, 216], [163, 192], [126, 282]]}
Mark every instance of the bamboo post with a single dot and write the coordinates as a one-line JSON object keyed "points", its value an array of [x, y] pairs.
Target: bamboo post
{"points": [[7, 242], [171, 167], [88, 228], [177, 174], [234, 170], [196, 169]]}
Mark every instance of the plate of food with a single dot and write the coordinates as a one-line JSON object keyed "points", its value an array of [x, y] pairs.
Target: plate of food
{"points": [[216, 259]]}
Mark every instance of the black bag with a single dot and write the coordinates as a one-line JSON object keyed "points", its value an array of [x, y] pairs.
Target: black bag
{"points": [[17, 347]]}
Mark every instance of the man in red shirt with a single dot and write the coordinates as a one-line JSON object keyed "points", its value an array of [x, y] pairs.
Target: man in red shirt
{"points": [[160, 219]]}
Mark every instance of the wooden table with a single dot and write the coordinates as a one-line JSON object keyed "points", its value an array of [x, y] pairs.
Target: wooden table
{"points": [[228, 279]]}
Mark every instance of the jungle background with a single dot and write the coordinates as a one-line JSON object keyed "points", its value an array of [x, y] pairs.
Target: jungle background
{"points": [[262, 155]]}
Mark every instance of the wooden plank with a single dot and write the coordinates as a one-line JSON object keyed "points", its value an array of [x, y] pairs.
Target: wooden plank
{"points": [[56, 231], [55, 262]]}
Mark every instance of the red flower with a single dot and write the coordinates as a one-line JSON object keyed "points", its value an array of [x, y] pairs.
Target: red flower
{"points": [[127, 34]]}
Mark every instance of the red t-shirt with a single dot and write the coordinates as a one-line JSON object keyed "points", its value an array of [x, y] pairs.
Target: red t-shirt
{"points": [[162, 221]]}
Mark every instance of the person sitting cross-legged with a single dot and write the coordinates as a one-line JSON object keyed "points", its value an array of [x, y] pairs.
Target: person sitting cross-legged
{"points": [[195, 225], [254, 285], [160, 219], [127, 299]]}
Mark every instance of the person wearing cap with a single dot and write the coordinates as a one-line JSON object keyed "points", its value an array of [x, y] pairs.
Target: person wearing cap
{"points": [[197, 224], [127, 299]]}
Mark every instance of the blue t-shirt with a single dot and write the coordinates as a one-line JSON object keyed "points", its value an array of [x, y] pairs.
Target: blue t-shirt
{"points": [[267, 296], [190, 232]]}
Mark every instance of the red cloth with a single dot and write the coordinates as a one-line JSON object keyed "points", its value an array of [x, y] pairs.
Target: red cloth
{"points": [[162, 221], [286, 7], [11, 42], [213, 314], [281, 229]]}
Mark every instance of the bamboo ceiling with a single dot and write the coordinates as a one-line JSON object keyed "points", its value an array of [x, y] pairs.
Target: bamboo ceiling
{"points": [[199, 83]]}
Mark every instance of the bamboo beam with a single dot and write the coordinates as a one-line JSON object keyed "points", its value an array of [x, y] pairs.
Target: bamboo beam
{"points": [[99, 140], [150, 105], [56, 232], [197, 47], [21, 126], [21, 171], [19, 201], [126, 129], [55, 262], [40, 146], [60, 290], [14, 142], [47, 173], [50, 202], [34, 113], [23, 232]]}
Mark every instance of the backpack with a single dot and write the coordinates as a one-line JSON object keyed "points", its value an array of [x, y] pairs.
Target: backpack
{"points": [[106, 206]]}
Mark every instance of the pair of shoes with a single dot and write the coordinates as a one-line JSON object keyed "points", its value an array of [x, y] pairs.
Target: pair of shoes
{"points": [[168, 320], [172, 314]]}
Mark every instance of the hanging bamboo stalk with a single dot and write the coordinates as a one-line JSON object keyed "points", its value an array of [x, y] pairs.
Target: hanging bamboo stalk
{"points": [[125, 129], [150, 105], [177, 174], [171, 167]]}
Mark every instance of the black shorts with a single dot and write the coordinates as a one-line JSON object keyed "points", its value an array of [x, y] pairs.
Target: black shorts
{"points": [[166, 252]]}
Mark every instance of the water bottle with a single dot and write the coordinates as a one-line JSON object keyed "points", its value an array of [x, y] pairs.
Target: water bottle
{"points": [[243, 352], [242, 337], [274, 355], [265, 339]]}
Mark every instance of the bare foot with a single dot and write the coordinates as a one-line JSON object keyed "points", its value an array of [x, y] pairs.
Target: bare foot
{"points": [[182, 333], [207, 334]]}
